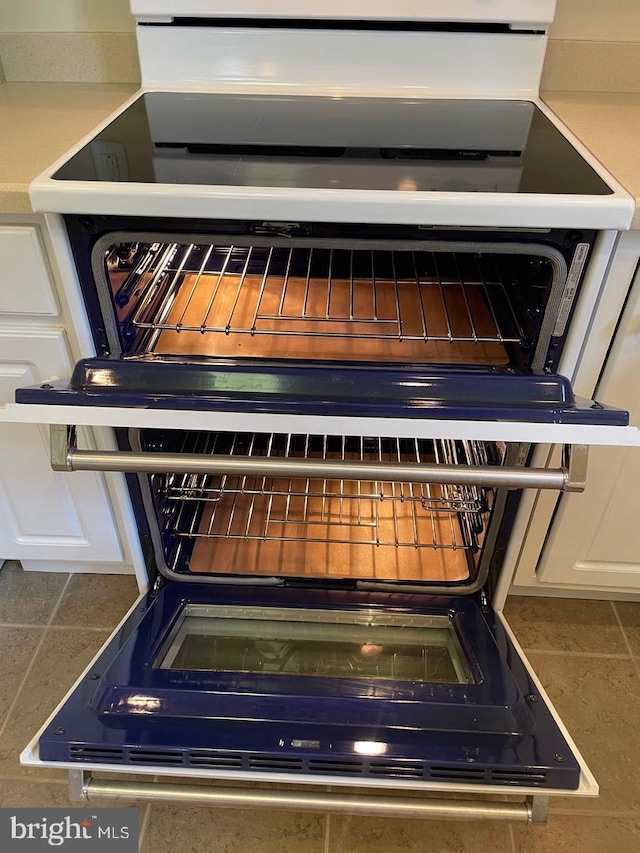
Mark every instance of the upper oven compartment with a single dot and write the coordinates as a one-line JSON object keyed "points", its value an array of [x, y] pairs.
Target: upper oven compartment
{"points": [[326, 320]]}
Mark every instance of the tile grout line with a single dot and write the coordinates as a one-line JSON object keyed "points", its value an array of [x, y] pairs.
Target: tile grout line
{"points": [[58, 602], [144, 824], [636, 663], [327, 830], [15, 625], [512, 837], [598, 655], [45, 627]]}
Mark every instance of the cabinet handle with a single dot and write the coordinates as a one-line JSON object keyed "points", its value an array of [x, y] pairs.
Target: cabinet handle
{"points": [[66, 456]]}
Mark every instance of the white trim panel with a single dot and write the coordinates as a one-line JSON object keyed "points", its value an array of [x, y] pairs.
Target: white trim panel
{"points": [[341, 61], [286, 204], [592, 340], [594, 287], [532, 433], [521, 12], [588, 785]]}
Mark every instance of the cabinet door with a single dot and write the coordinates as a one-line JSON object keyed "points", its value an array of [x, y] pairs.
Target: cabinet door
{"points": [[44, 515], [595, 538], [27, 287]]}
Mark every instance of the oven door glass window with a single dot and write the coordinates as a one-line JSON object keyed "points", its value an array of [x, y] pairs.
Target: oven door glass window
{"points": [[301, 642]]}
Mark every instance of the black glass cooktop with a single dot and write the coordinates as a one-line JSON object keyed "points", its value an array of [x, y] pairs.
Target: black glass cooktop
{"points": [[336, 143]]}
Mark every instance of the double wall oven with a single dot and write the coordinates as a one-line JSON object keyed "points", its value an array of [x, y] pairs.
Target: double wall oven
{"points": [[333, 280]]}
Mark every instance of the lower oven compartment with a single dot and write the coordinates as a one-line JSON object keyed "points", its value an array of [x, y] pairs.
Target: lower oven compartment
{"points": [[325, 529], [306, 650], [308, 642]]}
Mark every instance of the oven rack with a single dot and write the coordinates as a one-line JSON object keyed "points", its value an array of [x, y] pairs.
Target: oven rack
{"points": [[378, 295], [329, 511], [467, 499]]}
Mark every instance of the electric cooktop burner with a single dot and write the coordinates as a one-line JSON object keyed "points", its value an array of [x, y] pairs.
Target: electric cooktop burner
{"points": [[336, 143]]}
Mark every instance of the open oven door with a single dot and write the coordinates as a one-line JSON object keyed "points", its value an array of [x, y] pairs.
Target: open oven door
{"points": [[343, 390], [278, 396], [377, 695]]}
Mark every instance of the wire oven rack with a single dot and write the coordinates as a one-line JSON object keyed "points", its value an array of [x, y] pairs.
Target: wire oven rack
{"points": [[330, 511], [315, 292]]}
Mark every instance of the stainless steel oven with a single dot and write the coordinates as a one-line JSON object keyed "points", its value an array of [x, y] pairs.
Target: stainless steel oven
{"points": [[328, 326]]}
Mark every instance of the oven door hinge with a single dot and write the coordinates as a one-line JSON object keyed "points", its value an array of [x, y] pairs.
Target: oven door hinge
{"points": [[484, 601]]}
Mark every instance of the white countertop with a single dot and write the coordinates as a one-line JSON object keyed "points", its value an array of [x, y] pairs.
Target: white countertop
{"points": [[608, 124], [39, 122]]}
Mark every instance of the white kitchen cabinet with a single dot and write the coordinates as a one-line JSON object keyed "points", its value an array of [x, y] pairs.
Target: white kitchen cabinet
{"points": [[26, 285], [593, 543], [45, 515], [47, 520]]}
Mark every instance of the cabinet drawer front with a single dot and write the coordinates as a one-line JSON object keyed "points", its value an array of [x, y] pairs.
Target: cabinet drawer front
{"points": [[27, 287]]}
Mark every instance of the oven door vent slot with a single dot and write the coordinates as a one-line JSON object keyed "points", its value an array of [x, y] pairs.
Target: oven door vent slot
{"points": [[96, 753], [319, 765], [219, 761], [152, 756], [521, 777], [457, 774], [408, 770], [275, 763]]}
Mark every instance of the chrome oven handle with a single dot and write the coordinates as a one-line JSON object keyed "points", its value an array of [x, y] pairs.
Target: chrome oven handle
{"points": [[66, 456], [533, 809]]}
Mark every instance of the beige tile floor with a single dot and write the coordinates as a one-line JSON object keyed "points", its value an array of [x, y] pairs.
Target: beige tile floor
{"points": [[587, 654]]}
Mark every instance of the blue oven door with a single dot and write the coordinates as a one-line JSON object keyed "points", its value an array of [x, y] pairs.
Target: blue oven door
{"points": [[316, 685], [303, 390]]}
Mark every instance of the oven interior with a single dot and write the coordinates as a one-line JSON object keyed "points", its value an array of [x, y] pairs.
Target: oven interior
{"points": [[325, 319], [315, 529], [337, 300]]}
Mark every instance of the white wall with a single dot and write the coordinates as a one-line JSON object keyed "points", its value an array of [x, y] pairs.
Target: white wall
{"points": [[21, 16], [597, 20]]}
